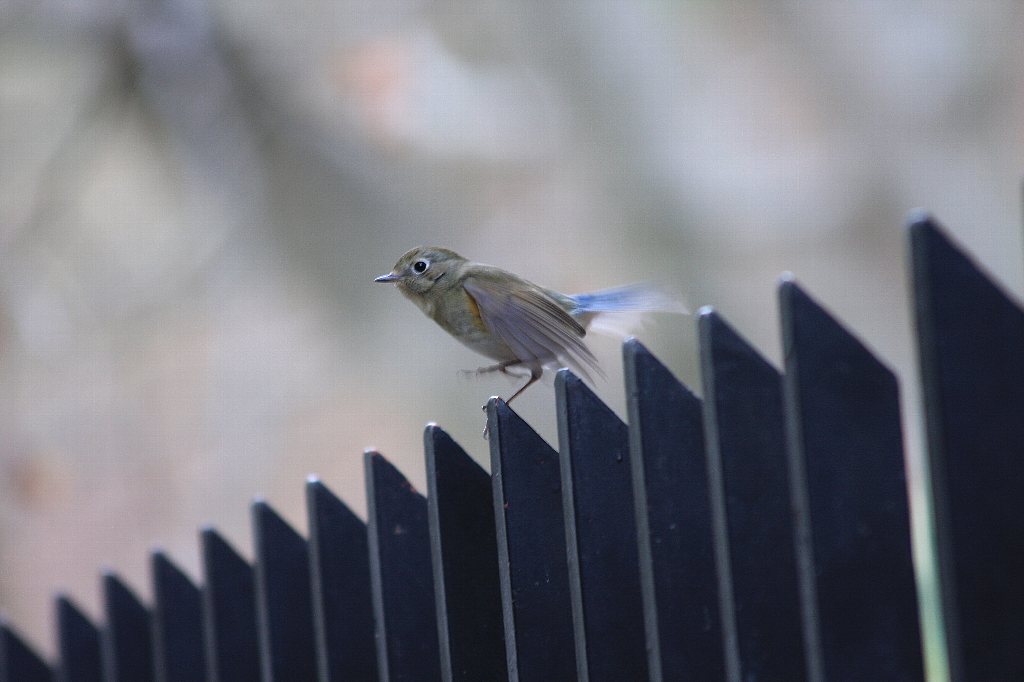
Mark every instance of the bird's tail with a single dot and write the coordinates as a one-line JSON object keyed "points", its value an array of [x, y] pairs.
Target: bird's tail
{"points": [[631, 298]]}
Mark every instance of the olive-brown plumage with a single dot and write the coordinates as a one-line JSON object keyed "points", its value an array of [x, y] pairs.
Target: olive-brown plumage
{"points": [[507, 318]]}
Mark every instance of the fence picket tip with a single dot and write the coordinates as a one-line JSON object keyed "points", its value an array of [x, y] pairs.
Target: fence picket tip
{"points": [[919, 219], [632, 347], [566, 378]]}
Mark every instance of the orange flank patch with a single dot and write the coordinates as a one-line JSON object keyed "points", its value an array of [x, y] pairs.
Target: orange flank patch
{"points": [[475, 311]]}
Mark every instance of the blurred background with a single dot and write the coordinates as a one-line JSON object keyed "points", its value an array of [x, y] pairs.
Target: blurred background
{"points": [[196, 194]]}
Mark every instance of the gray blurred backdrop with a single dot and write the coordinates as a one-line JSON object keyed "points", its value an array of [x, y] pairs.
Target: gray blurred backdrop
{"points": [[196, 194]]}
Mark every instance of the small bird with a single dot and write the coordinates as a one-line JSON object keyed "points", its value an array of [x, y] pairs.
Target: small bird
{"points": [[519, 324]]}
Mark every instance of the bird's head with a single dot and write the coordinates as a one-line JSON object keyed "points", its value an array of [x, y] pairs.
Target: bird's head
{"points": [[418, 272]]}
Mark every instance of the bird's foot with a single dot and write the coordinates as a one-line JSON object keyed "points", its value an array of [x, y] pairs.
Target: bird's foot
{"points": [[487, 426]]}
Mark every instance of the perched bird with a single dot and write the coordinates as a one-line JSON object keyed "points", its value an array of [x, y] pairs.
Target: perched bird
{"points": [[518, 324]]}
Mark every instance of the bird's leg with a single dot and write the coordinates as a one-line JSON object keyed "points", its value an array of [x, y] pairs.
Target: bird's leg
{"points": [[535, 373], [504, 370], [500, 367]]}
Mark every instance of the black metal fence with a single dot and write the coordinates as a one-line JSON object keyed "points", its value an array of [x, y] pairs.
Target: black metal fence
{"points": [[761, 533]]}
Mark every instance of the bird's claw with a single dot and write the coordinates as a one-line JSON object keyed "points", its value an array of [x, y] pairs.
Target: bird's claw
{"points": [[487, 426]]}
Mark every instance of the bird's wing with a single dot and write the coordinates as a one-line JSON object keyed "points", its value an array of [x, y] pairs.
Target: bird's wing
{"points": [[530, 322]]}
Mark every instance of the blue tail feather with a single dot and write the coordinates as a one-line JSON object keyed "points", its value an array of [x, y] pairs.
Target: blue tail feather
{"points": [[639, 297]]}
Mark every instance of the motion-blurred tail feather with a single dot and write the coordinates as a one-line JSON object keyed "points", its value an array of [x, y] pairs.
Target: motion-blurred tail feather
{"points": [[634, 298], [630, 303]]}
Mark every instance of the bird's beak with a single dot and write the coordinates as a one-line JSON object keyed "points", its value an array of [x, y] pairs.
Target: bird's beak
{"points": [[390, 277]]}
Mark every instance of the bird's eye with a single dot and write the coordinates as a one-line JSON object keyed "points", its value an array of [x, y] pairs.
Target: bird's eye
{"points": [[420, 266]]}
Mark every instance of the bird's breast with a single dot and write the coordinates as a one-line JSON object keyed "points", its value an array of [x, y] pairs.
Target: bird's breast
{"points": [[459, 315]]}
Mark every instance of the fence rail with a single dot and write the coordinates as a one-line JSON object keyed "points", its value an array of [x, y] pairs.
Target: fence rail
{"points": [[760, 533]]}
